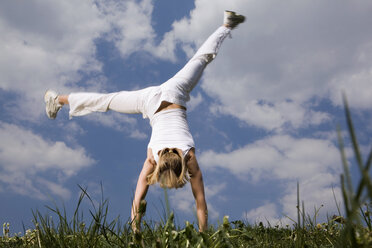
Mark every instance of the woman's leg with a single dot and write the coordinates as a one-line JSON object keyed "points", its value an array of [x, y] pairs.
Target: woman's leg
{"points": [[63, 99], [134, 101], [83, 103], [193, 70], [190, 74], [187, 78], [127, 102]]}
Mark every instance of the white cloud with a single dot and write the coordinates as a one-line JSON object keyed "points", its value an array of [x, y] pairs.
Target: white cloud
{"points": [[131, 29], [51, 44], [194, 102], [119, 122], [283, 57], [356, 86], [268, 115], [130, 25], [25, 156], [281, 156], [45, 46], [318, 192], [211, 192], [54, 188], [266, 213], [284, 160], [183, 200]]}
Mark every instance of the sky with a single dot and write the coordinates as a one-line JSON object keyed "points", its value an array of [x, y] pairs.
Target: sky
{"points": [[263, 116]]}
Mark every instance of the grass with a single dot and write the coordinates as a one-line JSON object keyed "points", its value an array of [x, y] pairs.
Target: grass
{"points": [[354, 229]]}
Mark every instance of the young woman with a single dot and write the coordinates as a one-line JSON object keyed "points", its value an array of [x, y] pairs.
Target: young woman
{"points": [[171, 160]]}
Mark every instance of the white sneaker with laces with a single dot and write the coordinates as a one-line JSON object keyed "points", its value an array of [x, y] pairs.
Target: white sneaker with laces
{"points": [[52, 106], [232, 20]]}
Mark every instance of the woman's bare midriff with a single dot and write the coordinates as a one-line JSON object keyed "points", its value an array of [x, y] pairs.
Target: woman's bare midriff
{"points": [[167, 105]]}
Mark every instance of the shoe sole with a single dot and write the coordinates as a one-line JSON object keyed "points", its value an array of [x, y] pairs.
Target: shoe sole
{"points": [[45, 96], [46, 99], [46, 93], [236, 16]]}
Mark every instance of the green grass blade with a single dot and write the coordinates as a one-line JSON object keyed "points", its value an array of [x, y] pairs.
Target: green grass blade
{"points": [[298, 207], [352, 133], [366, 180], [348, 184], [337, 204]]}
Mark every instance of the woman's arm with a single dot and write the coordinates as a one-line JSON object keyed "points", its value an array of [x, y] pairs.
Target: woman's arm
{"points": [[141, 189], [197, 186]]}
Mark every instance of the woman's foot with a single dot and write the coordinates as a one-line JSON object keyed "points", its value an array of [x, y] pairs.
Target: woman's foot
{"points": [[52, 105], [232, 20]]}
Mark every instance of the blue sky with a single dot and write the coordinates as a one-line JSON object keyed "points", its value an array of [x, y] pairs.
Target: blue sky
{"points": [[263, 115]]}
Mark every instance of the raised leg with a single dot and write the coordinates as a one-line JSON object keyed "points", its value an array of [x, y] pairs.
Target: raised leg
{"points": [[83, 103], [193, 70], [127, 102], [187, 78]]}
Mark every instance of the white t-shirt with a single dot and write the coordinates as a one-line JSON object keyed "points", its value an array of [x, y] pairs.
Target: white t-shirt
{"points": [[170, 130]]}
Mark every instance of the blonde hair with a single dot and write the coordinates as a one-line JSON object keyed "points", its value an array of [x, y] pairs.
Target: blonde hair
{"points": [[171, 171]]}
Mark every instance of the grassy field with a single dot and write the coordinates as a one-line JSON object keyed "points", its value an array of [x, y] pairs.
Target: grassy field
{"points": [[353, 228], [100, 233]]}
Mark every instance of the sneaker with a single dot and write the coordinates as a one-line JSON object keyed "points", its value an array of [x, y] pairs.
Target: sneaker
{"points": [[232, 20], [52, 105]]}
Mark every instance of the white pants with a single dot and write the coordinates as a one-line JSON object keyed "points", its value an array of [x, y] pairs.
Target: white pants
{"points": [[147, 101]]}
